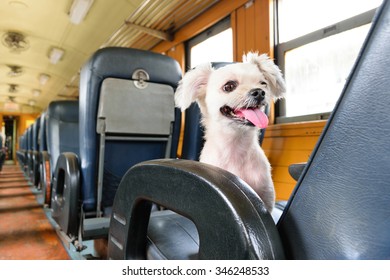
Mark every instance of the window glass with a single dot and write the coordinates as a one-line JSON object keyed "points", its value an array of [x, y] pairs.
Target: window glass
{"points": [[299, 17], [213, 45], [318, 45], [316, 72], [216, 48]]}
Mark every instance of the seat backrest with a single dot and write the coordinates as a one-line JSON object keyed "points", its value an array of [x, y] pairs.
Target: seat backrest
{"points": [[42, 133], [124, 94], [35, 134], [340, 207], [62, 126], [30, 138]]}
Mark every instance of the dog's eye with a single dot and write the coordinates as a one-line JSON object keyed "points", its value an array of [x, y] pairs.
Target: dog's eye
{"points": [[263, 83], [230, 86]]}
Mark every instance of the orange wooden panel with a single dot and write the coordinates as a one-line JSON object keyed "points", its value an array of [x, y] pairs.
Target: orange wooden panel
{"points": [[290, 143], [283, 191]]}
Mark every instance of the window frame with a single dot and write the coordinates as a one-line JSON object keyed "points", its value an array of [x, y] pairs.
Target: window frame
{"points": [[327, 31]]}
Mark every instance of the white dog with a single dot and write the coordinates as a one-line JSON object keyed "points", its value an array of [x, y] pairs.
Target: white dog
{"points": [[232, 100]]}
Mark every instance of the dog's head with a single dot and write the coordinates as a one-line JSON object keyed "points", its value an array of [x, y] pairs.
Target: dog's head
{"points": [[237, 93]]}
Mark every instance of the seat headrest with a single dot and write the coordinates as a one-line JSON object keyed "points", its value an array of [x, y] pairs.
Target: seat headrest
{"points": [[64, 110]]}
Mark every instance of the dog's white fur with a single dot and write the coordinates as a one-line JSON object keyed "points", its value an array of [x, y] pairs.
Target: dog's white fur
{"points": [[230, 144]]}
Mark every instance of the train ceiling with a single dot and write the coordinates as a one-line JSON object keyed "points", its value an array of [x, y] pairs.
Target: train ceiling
{"points": [[44, 43]]}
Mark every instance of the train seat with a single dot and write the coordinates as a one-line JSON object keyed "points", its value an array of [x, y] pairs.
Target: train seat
{"points": [[127, 115], [35, 176], [44, 160], [2, 152], [338, 210], [62, 140], [29, 153], [21, 152]]}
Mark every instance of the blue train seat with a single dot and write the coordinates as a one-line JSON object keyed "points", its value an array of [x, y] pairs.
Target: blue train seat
{"points": [[61, 136], [2, 152], [28, 152], [338, 210], [35, 175], [44, 160], [21, 152], [127, 115]]}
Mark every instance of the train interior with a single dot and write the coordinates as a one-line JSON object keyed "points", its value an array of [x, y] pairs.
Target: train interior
{"points": [[97, 163]]}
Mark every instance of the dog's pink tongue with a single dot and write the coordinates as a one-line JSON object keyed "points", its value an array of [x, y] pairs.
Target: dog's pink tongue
{"points": [[255, 116]]}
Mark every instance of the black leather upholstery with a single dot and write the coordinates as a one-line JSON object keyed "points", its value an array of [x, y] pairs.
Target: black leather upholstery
{"points": [[117, 63], [221, 206], [341, 206]]}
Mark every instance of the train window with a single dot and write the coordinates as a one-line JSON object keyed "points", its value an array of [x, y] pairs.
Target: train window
{"points": [[215, 45], [317, 45]]}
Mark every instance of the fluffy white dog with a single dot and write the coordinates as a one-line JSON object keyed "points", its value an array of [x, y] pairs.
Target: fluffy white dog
{"points": [[232, 100]]}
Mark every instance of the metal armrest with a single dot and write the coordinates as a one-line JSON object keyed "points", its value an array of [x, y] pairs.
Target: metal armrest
{"points": [[231, 220]]}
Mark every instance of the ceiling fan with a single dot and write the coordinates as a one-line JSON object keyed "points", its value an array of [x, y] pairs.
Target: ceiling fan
{"points": [[15, 41]]}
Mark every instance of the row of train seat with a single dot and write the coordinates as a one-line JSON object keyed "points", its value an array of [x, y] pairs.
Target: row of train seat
{"points": [[125, 115], [338, 210]]}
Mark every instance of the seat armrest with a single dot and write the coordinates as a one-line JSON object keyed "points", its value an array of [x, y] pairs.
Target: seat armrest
{"points": [[65, 193], [296, 170], [231, 219]]}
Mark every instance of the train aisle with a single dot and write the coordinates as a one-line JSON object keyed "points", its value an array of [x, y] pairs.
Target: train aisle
{"points": [[25, 231]]}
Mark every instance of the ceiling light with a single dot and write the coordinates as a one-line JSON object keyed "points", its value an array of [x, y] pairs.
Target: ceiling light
{"points": [[55, 55], [43, 78], [31, 102], [79, 10], [10, 105], [36, 92]]}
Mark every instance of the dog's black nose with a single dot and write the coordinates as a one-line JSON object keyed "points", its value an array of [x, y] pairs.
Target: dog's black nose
{"points": [[258, 93]]}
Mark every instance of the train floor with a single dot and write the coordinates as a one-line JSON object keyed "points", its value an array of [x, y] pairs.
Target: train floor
{"points": [[25, 231]]}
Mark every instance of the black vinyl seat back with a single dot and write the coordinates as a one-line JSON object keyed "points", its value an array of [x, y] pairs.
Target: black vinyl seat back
{"points": [[340, 207], [127, 115], [62, 126]]}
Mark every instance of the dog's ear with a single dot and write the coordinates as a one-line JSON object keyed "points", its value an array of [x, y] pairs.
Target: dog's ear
{"points": [[270, 71], [193, 86]]}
